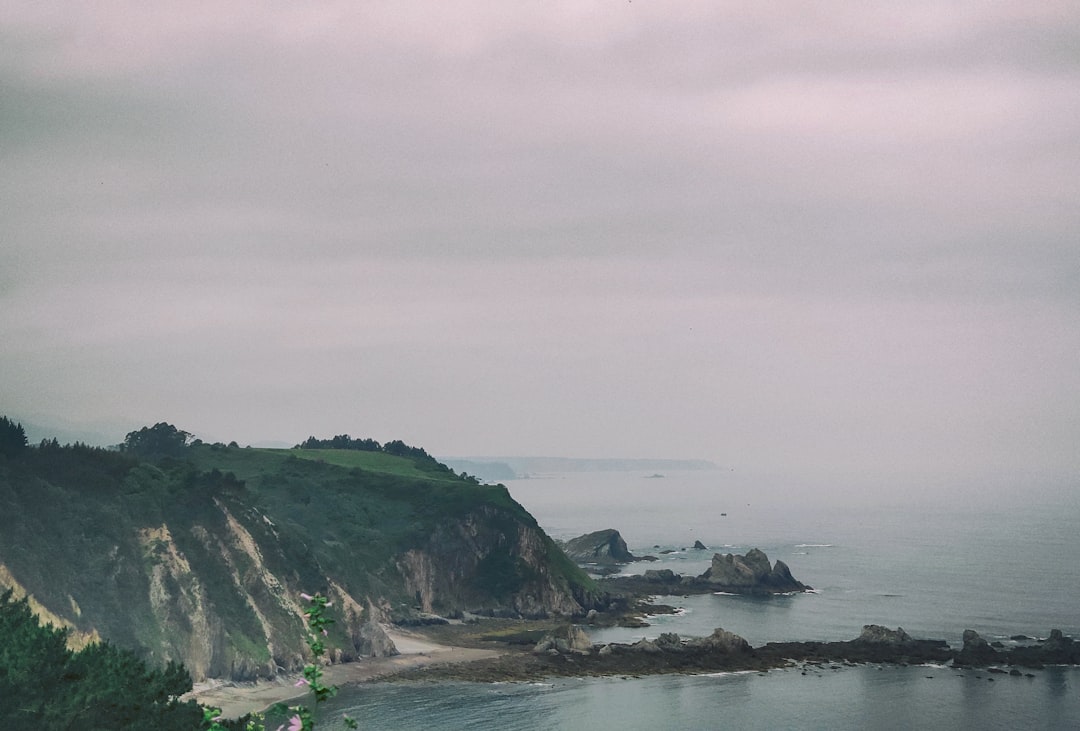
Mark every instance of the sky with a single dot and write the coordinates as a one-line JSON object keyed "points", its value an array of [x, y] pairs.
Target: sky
{"points": [[831, 239]]}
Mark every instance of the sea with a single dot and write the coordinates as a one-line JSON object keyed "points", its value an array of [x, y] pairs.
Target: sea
{"points": [[1002, 559]]}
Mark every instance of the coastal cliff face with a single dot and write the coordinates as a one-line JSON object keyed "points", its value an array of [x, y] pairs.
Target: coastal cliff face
{"points": [[485, 564], [181, 561]]}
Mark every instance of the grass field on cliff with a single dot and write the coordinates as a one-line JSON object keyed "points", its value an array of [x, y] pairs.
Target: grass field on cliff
{"points": [[369, 461], [248, 462]]}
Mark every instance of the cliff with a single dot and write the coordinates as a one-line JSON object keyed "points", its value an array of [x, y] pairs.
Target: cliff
{"points": [[200, 556]]}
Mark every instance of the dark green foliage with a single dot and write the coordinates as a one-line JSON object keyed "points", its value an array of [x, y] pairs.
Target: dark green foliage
{"points": [[501, 575], [159, 440], [77, 527], [12, 438], [397, 448], [341, 441], [45, 686]]}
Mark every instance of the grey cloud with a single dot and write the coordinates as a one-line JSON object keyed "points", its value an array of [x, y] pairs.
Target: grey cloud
{"points": [[728, 231]]}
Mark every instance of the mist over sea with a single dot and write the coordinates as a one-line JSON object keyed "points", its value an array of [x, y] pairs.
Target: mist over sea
{"points": [[1001, 562]]}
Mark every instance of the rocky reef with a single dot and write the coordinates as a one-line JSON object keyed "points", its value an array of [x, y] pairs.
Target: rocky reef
{"points": [[568, 652], [735, 574]]}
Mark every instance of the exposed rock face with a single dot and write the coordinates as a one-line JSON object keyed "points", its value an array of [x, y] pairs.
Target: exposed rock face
{"points": [[602, 547], [699, 546], [669, 642], [218, 592], [660, 575], [572, 639], [749, 574], [1057, 642], [483, 565], [875, 634], [374, 642], [976, 650], [751, 571], [723, 641]]}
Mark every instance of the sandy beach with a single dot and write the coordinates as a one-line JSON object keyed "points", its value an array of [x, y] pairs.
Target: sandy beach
{"points": [[236, 699]]}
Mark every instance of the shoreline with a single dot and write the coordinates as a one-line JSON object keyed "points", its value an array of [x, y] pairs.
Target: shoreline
{"points": [[416, 652], [454, 652]]}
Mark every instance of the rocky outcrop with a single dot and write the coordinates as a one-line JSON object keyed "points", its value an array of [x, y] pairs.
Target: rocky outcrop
{"points": [[571, 639], [976, 650], [215, 582], [660, 576], [600, 547], [726, 651], [750, 572], [485, 566], [374, 642], [875, 634], [723, 641]]}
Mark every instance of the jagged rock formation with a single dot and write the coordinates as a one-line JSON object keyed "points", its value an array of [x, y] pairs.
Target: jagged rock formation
{"points": [[752, 571], [875, 634], [600, 547], [374, 642], [749, 574], [723, 641], [975, 650]]}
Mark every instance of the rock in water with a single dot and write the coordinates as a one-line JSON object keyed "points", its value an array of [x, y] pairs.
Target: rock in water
{"points": [[699, 546], [976, 650], [723, 641], [875, 634], [1060, 649], [660, 575], [602, 546], [751, 571]]}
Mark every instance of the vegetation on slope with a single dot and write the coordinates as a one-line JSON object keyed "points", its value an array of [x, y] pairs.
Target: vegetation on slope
{"points": [[188, 551], [45, 685]]}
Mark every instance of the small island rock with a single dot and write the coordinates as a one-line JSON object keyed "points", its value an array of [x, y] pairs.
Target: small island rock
{"points": [[602, 546], [751, 571]]}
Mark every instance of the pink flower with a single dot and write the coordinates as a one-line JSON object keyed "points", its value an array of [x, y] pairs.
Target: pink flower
{"points": [[325, 633], [295, 724], [302, 682], [306, 597]]}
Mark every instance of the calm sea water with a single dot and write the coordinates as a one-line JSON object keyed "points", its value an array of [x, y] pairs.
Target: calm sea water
{"points": [[935, 566]]}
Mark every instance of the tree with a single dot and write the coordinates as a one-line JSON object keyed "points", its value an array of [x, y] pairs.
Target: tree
{"points": [[12, 438], [44, 685], [159, 440]]}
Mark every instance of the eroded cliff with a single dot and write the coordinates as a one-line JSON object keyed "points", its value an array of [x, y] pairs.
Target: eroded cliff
{"points": [[202, 560]]}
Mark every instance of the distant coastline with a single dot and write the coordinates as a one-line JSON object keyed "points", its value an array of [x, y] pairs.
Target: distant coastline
{"points": [[509, 468]]}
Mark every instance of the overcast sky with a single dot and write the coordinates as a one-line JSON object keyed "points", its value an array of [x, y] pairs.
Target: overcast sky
{"points": [[837, 238]]}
